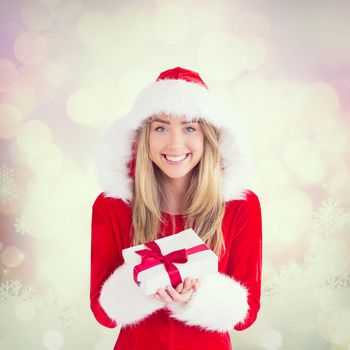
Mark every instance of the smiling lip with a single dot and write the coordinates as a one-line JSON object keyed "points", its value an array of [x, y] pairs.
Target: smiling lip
{"points": [[172, 162], [175, 155]]}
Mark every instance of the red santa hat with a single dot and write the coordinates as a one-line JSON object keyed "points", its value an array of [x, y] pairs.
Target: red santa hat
{"points": [[178, 92], [181, 73]]}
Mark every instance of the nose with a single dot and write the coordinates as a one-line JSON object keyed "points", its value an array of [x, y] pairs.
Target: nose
{"points": [[176, 139]]}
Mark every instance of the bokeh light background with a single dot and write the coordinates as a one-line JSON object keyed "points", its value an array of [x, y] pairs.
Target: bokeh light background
{"points": [[68, 68]]}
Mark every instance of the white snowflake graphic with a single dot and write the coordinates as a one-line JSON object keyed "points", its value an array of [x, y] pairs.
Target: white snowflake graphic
{"points": [[50, 305], [326, 222], [339, 282], [295, 280], [21, 226], [15, 289], [8, 188], [282, 280], [314, 249], [329, 218]]}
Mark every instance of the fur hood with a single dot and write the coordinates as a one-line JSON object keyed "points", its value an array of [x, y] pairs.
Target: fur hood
{"points": [[115, 154]]}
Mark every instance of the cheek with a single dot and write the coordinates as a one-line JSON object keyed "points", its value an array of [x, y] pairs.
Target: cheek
{"points": [[197, 144], [153, 144]]}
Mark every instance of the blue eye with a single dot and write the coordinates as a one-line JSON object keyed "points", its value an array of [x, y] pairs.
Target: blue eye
{"points": [[159, 127]]}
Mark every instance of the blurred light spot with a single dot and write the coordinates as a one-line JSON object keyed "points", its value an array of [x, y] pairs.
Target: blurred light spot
{"points": [[33, 76], [9, 30], [51, 267], [335, 251], [53, 340], [89, 105], [171, 24], [35, 15], [96, 29], [64, 10], [326, 299], [256, 52], [22, 96], [335, 138], [252, 23], [25, 311], [271, 339], [30, 48], [303, 157], [55, 72], [338, 176], [290, 209], [318, 103], [338, 327], [272, 173], [70, 183], [273, 112], [222, 56], [59, 48], [47, 163], [105, 35], [104, 345], [128, 86], [51, 2], [53, 216], [10, 121], [8, 75], [11, 256], [138, 21], [33, 137]]}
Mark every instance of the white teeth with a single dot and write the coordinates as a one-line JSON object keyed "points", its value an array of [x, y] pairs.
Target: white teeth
{"points": [[176, 158]]}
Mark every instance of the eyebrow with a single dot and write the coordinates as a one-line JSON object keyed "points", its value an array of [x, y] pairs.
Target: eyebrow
{"points": [[168, 123]]}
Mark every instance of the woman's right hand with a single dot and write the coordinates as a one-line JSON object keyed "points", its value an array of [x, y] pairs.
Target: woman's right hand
{"points": [[191, 283], [182, 293]]}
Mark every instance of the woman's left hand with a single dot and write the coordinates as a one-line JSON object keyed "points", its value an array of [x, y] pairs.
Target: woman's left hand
{"points": [[181, 294]]}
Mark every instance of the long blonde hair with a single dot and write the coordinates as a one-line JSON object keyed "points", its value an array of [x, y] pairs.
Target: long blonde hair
{"points": [[205, 206]]}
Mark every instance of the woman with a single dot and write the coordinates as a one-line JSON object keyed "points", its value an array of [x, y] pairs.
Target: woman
{"points": [[177, 160]]}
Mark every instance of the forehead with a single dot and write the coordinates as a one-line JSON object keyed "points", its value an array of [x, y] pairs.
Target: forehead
{"points": [[172, 120]]}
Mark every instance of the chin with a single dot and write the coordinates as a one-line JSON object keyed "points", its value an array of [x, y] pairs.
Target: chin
{"points": [[175, 176]]}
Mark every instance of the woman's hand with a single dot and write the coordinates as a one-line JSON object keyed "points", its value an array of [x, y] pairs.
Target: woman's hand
{"points": [[182, 293]]}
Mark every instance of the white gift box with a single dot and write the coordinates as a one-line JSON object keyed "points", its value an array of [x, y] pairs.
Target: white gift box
{"points": [[199, 264]]}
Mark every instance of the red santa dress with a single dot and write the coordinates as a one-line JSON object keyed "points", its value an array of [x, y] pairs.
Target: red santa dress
{"points": [[225, 301]]}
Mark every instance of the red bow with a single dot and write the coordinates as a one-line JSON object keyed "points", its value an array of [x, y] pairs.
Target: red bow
{"points": [[153, 256]]}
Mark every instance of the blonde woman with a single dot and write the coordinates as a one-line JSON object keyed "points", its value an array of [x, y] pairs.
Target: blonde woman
{"points": [[177, 160]]}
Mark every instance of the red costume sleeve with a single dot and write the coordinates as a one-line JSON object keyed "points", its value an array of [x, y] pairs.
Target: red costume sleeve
{"points": [[115, 299], [230, 300], [103, 262], [245, 262]]}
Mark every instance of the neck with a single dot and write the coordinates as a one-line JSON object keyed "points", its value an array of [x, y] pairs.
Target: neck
{"points": [[175, 194]]}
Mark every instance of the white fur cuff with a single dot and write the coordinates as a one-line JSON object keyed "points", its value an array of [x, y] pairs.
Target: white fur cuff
{"points": [[219, 304], [123, 301]]}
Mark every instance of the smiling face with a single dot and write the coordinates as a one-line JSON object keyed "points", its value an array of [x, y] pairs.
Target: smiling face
{"points": [[176, 145]]}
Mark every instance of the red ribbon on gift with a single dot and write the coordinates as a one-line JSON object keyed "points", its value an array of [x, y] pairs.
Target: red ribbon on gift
{"points": [[153, 256]]}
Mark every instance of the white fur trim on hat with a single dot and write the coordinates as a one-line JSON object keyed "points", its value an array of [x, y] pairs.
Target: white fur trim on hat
{"points": [[177, 98], [218, 305], [124, 301]]}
